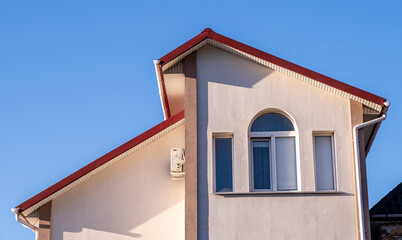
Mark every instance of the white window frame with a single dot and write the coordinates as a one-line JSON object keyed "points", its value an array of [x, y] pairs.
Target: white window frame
{"points": [[217, 136], [271, 137], [334, 162]]}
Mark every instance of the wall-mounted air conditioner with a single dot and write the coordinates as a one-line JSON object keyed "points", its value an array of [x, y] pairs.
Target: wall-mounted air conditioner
{"points": [[176, 163]]}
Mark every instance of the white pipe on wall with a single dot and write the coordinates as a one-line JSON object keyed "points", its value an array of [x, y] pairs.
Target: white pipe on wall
{"points": [[356, 129], [158, 78]]}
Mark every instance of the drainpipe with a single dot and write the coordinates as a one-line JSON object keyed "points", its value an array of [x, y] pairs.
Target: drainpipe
{"points": [[158, 78], [161, 87], [356, 128], [24, 222]]}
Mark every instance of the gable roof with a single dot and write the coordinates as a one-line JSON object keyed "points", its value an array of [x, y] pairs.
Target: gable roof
{"points": [[390, 204], [207, 36], [99, 164]]}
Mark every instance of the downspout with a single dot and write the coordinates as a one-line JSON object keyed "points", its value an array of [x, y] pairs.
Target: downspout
{"points": [[24, 222], [158, 78], [162, 89], [362, 229]]}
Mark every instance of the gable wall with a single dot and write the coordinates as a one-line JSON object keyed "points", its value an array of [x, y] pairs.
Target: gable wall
{"points": [[134, 198], [231, 91]]}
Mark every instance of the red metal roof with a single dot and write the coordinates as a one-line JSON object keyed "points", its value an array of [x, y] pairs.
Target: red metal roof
{"points": [[100, 161], [208, 33]]}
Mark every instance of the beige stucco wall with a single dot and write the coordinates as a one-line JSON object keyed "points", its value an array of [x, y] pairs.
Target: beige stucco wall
{"points": [[132, 199], [174, 84], [231, 91]]}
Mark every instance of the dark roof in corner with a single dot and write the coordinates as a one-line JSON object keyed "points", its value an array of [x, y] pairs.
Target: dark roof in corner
{"points": [[101, 161], [209, 33], [390, 204]]}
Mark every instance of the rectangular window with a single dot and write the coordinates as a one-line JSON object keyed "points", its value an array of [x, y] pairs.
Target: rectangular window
{"points": [[261, 164], [324, 162], [223, 165], [286, 163]]}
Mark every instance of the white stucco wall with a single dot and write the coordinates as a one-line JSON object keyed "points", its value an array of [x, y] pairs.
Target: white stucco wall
{"points": [[132, 199], [231, 91]]}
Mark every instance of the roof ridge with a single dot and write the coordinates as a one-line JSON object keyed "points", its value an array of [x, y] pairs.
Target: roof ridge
{"points": [[207, 30]]}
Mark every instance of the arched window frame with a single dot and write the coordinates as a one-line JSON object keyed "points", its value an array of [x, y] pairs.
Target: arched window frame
{"points": [[271, 136]]}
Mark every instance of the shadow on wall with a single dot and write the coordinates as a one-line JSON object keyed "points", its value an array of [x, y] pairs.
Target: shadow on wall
{"points": [[217, 66], [129, 200], [226, 68]]}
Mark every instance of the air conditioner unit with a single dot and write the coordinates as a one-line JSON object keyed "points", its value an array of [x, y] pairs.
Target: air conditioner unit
{"points": [[176, 163]]}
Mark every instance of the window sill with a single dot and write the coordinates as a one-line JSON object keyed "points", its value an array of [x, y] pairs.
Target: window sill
{"points": [[278, 193]]}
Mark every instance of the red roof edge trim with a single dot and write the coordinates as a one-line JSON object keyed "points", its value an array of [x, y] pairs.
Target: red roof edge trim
{"points": [[100, 161], [299, 69], [184, 47], [209, 33]]}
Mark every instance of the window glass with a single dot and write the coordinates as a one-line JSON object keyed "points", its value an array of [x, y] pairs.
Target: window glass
{"points": [[286, 163], [223, 165], [272, 122], [324, 162], [273, 146], [261, 164]]}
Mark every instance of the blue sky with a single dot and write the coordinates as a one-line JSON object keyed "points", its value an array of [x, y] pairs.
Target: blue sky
{"points": [[77, 78]]}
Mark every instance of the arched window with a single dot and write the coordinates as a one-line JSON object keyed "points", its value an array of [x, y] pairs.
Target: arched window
{"points": [[273, 153]]}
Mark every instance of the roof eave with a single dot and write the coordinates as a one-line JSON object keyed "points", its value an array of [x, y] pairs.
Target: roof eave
{"points": [[209, 33], [102, 161]]}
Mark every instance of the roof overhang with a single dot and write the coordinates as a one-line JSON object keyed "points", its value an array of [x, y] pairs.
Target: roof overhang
{"points": [[298, 72], [100, 164]]}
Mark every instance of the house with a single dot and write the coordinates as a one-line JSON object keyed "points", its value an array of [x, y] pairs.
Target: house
{"points": [[273, 150], [386, 216]]}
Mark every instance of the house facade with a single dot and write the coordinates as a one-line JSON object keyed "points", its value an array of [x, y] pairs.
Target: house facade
{"points": [[272, 151]]}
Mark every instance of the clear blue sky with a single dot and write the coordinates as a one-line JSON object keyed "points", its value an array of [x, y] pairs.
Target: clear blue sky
{"points": [[77, 78]]}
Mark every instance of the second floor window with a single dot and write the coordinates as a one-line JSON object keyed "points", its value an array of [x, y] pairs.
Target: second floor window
{"points": [[223, 164], [273, 153], [324, 161]]}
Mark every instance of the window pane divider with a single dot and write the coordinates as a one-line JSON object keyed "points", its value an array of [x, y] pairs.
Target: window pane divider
{"points": [[270, 134], [273, 164]]}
